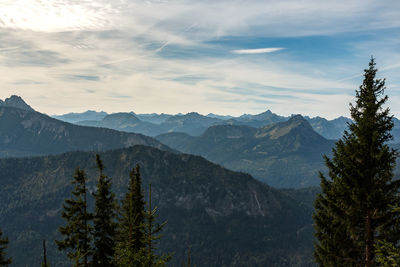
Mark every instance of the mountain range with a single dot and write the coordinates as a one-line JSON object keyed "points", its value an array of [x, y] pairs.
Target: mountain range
{"points": [[291, 159], [285, 154], [27, 133], [195, 124]]}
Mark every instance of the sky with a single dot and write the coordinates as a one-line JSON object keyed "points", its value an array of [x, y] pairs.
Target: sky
{"points": [[208, 56]]}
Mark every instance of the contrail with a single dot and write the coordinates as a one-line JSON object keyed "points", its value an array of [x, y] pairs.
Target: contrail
{"points": [[168, 41]]}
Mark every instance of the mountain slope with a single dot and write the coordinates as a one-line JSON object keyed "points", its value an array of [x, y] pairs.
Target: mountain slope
{"points": [[25, 133], [227, 218], [286, 154]]}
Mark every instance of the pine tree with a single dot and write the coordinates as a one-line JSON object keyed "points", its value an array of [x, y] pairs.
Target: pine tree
{"points": [[152, 235], [4, 261], [77, 232], [130, 249], [353, 212], [104, 220]]}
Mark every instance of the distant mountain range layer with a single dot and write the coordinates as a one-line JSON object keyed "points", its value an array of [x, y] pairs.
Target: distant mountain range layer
{"points": [[195, 124], [282, 153], [226, 218], [286, 154], [27, 133]]}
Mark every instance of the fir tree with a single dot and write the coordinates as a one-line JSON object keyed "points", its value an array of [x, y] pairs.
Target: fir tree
{"points": [[77, 232], [104, 220], [130, 250], [4, 261], [353, 212], [152, 235]]}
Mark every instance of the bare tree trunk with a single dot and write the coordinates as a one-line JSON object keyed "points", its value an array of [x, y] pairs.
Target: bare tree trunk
{"points": [[44, 253]]}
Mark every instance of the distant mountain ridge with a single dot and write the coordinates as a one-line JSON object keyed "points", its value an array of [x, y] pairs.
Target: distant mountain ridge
{"points": [[27, 133], [195, 124], [89, 115], [191, 123], [285, 154]]}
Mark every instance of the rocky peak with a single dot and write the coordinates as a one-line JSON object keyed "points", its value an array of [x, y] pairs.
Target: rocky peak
{"points": [[16, 102]]}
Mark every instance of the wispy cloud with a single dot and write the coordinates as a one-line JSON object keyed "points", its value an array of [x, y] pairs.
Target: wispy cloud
{"points": [[257, 51], [8, 48]]}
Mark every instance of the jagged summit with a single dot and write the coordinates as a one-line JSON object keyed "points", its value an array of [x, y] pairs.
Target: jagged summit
{"points": [[16, 102]]}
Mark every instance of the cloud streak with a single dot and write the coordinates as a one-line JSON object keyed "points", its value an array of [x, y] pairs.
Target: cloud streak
{"points": [[256, 51]]}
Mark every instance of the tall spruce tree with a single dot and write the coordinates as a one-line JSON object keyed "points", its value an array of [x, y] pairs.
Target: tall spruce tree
{"points": [[353, 212], [4, 261], [104, 220], [77, 232], [130, 249]]}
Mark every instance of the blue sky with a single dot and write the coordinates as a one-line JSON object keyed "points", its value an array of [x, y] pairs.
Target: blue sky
{"points": [[171, 56]]}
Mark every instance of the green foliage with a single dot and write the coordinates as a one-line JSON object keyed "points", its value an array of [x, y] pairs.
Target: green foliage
{"points": [[152, 235], [4, 261], [387, 255], [353, 212], [104, 220], [77, 232], [131, 244]]}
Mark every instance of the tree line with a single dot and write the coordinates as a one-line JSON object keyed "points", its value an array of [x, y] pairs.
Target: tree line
{"points": [[112, 235]]}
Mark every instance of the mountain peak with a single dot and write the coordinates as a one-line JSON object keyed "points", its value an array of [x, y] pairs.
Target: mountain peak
{"points": [[16, 102], [296, 117], [193, 114], [280, 129]]}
